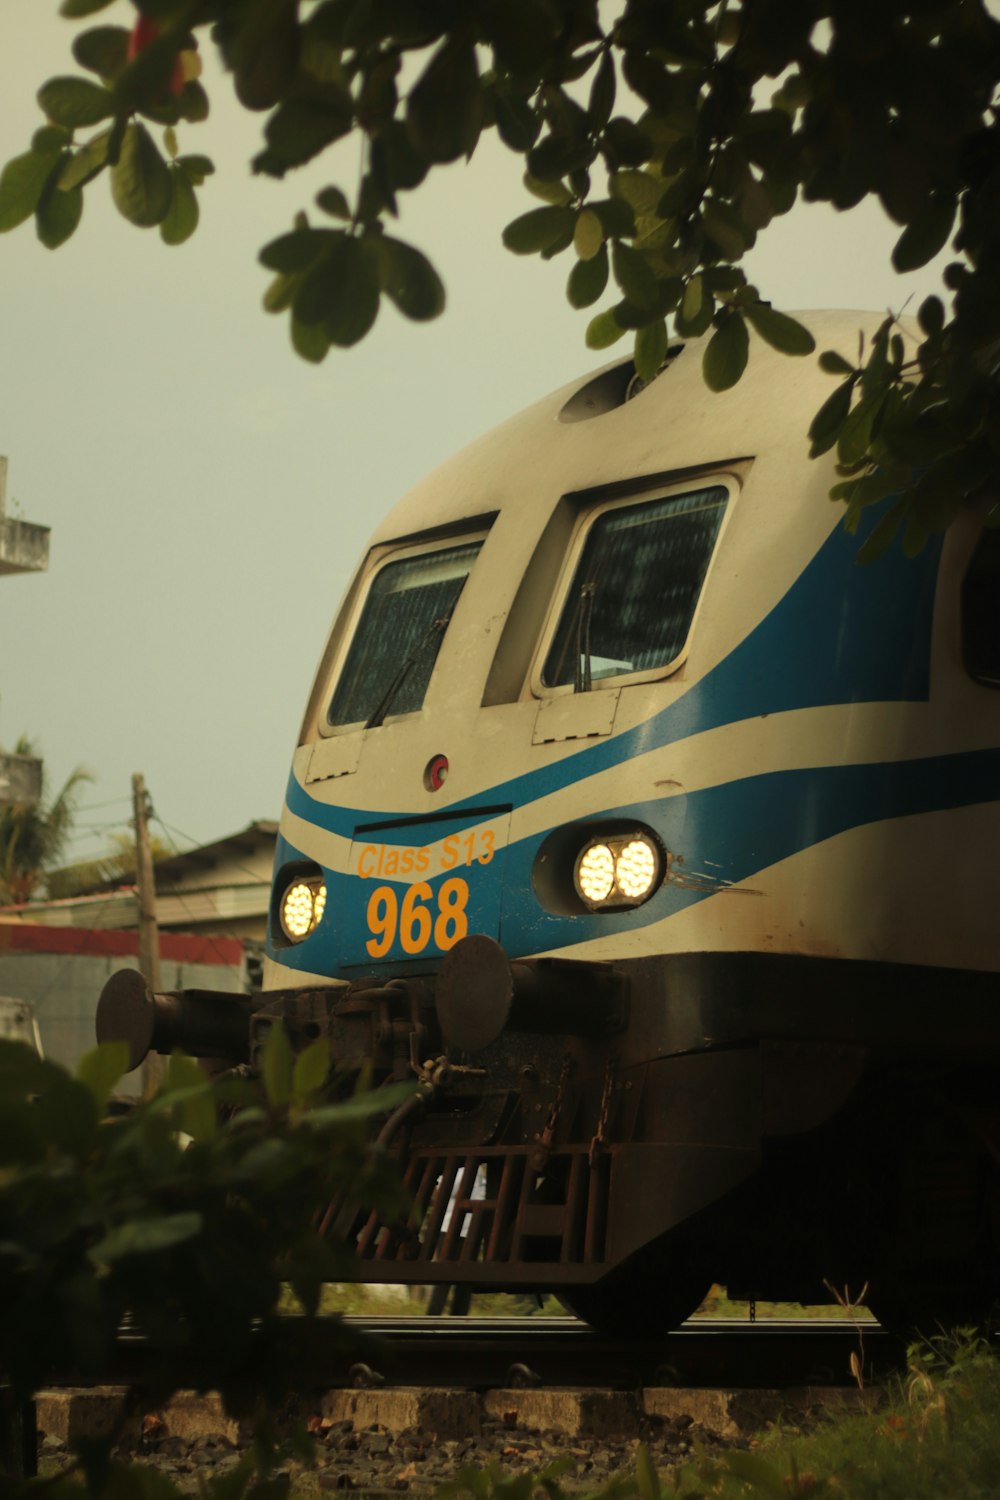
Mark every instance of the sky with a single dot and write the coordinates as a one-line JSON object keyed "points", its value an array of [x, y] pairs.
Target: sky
{"points": [[209, 493]]}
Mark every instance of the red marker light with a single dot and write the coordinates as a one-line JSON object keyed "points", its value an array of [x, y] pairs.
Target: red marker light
{"points": [[436, 773]]}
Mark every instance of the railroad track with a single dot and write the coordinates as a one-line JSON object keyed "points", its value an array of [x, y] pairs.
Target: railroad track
{"points": [[486, 1353], [479, 1353]]}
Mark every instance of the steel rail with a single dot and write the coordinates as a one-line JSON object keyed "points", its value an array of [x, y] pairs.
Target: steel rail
{"points": [[481, 1353]]}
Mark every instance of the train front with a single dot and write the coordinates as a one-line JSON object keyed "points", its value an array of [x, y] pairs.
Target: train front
{"points": [[608, 827]]}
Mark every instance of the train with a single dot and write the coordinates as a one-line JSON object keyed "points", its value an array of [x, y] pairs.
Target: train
{"points": [[654, 838]]}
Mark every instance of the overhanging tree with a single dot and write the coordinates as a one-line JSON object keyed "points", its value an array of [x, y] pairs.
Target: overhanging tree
{"points": [[661, 137]]}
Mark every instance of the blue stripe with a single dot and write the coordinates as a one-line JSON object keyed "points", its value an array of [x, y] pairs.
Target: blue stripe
{"points": [[722, 836]]}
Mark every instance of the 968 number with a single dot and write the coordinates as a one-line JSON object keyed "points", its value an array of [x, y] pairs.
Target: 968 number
{"points": [[419, 917]]}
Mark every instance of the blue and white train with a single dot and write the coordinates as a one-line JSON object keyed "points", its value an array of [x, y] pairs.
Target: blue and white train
{"points": [[658, 839]]}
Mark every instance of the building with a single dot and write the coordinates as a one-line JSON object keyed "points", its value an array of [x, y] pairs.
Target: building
{"points": [[219, 889], [60, 973], [24, 548]]}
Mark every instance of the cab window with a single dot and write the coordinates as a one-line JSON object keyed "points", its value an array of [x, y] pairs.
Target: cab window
{"points": [[399, 635], [634, 593]]}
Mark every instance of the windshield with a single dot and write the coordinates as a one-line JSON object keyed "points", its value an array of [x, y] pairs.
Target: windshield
{"points": [[398, 638], [633, 596]]}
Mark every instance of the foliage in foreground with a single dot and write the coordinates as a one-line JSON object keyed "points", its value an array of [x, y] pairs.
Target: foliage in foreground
{"points": [[186, 1217], [659, 141]]}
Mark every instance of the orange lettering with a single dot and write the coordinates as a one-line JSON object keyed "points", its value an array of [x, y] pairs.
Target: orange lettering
{"points": [[449, 853]]}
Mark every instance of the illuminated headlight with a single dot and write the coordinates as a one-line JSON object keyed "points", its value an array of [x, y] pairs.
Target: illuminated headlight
{"points": [[302, 905], [595, 873], [636, 869], [618, 871]]}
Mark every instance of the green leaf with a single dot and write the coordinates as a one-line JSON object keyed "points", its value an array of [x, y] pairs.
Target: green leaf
{"points": [[191, 1092], [756, 1471], [697, 308], [170, 142], [263, 52], [725, 228], [779, 330], [931, 316], [101, 1068], [276, 1065], [311, 1070], [604, 330], [141, 184], [517, 122], [628, 145], [76, 9], [928, 233], [103, 49], [520, 31], [146, 1237], [588, 234], [602, 91], [192, 103], [640, 190], [856, 433], [75, 101], [635, 276], [616, 215], [309, 341], [361, 1107], [182, 215], [725, 356], [86, 163], [538, 229], [444, 112], [554, 192], [50, 138], [835, 364], [280, 294], [407, 276], [298, 130], [21, 185], [297, 250], [646, 1477], [333, 202], [588, 279], [196, 168], [651, 349], [826, 424]]}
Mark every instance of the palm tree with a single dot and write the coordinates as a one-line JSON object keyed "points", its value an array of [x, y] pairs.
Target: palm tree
{"points": [[33, 836]]}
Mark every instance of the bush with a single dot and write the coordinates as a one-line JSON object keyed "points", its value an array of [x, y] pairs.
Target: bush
{"points": [[185, 1217]]}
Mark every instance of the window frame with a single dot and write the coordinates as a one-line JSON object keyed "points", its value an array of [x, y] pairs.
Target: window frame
{"points": [[586, 519], [379, 559]]}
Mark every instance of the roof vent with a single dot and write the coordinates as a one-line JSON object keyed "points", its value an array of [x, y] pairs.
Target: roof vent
{"points": [[610, 389]]}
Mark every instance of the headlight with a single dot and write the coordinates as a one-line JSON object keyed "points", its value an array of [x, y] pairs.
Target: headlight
{"points": [[622, 871], [302, 906]]}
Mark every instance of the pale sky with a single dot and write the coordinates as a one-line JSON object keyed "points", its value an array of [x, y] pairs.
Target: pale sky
{"points": [[208, 492]]}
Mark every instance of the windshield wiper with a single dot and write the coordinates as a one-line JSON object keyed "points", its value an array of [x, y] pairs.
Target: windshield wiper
{"points": [[585, 611], [437, 627]]}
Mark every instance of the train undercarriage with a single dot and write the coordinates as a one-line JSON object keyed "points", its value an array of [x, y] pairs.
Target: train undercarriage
{"points": [[627, 1135]]}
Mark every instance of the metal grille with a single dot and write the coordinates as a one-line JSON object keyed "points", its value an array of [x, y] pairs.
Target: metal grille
{"points": [[493, 1208]]}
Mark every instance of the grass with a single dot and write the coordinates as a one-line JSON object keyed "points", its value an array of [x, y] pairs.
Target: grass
{"points": [[938, 1438]]}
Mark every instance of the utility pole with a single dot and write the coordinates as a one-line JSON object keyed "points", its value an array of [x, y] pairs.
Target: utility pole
{"points": [[149, 933]]}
